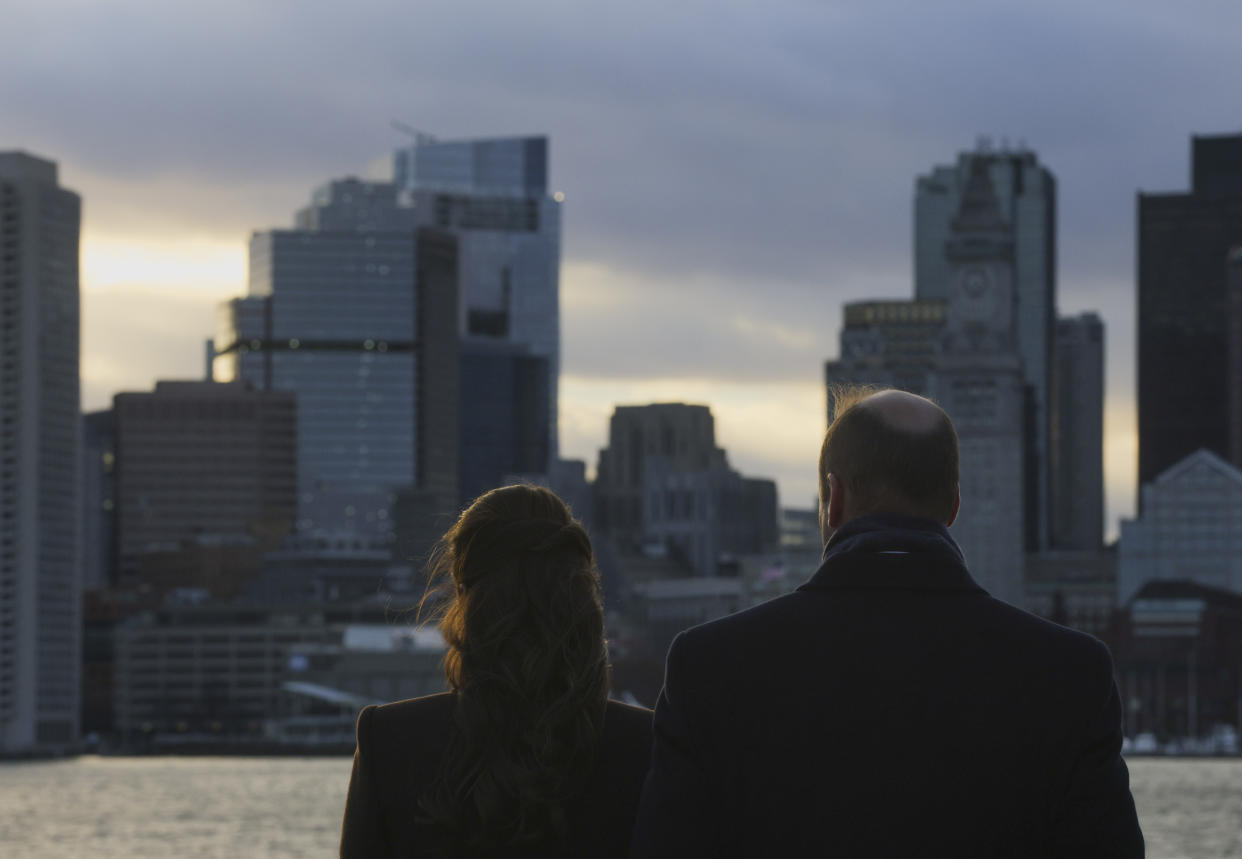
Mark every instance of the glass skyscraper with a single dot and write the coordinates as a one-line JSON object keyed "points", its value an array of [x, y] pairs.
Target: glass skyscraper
{"points": [[504, 415], [338, 311], [493, 196], [333, 314]]}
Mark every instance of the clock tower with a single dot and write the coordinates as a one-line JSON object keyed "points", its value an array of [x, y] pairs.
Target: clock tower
{"points": [[982, 301], [979, 382]]}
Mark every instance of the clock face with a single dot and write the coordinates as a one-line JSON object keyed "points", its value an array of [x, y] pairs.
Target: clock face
{"points": [[976, 293], [975, 282]]}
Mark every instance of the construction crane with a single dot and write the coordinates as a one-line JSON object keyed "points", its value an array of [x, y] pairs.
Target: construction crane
{"points": [[420, 137]]}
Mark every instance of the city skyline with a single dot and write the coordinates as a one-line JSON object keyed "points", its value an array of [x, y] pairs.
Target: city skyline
{"points": [[732, 179]]}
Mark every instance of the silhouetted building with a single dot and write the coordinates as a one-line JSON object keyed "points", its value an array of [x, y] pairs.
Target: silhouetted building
{"points": [[345, 568], [1187, 528], [704, 517], [40, 459], [504, 414], [1077, 589], [98, 501], [567, 478], [671, 605], [664, 489], [1078, 444], [1183, 242], [99, 617], [684, 435], [492, 195], [200, 466], [1235, 356], [757, 526], [800, 531], [1178, 657], [1025, 199]]}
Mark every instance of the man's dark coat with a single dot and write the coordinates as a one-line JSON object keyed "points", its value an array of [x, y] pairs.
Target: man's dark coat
{"points": [[889, 707], [400, 747]]}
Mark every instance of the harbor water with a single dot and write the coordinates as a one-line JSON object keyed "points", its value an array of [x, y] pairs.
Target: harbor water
{"points": [[281, 808]]}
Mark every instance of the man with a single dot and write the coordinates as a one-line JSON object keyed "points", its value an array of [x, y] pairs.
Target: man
{"points": [[889, 707]]}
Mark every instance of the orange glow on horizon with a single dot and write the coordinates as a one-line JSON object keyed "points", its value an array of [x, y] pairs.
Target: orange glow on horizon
{"points": [[193, 262]]}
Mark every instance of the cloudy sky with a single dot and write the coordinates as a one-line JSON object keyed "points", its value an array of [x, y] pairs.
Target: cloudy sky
{"points": [[733, 172]]}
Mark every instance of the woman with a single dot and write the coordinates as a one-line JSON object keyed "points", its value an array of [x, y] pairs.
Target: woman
{"points": [[526, 755]]}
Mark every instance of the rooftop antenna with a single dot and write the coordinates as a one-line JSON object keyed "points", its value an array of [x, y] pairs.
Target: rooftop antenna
{"points": [[419, 137]]}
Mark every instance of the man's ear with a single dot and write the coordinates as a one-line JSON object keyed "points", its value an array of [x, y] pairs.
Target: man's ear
{"points": [[835, 508], [957, 505]]}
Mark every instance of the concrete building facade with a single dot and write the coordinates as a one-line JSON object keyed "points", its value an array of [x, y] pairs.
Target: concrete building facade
{"points": [[663, 488], [40, 459], [204, 670], [1025, 198], [962, 351], [685, 435]]}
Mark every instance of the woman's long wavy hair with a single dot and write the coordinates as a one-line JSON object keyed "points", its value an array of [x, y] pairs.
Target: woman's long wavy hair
{"points": [[527, 660]]}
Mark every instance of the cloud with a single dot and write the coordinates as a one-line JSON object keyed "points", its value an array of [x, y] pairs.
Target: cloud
{"points": [[616, 327], [734, 171], [777, 141], [132, 337]]}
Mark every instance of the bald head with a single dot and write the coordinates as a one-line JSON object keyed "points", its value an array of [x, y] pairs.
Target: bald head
{"points": [[903, 411], [888, 451]]}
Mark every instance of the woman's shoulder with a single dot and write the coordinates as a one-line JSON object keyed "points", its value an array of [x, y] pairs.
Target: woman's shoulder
{"points": [[626, 727], [400, 717], [622, 713]]}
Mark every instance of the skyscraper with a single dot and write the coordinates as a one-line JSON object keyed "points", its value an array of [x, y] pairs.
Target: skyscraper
{"points": [[1235, 356], [354, 315], [40, 438], [980, 383], [493, 196], [1078, 445], [1026, 198], [1183, 243], [961, 350], [504, 414]]}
